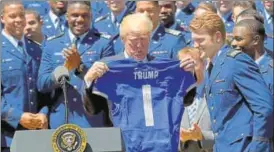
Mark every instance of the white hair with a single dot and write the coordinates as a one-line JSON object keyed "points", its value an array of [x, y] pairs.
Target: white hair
{"points": [[136, 22]]}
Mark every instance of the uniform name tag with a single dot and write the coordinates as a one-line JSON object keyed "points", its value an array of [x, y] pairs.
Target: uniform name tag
{"points": [[221, 80], [7, 60]]}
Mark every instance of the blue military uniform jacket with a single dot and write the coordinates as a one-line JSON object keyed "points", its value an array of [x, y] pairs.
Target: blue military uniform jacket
{"points": [[42, 7], [99, 8], [185, 16], [240, 104], [229, 24], [266, 68], [186, 34], [268, 25], [18, 86], [91, 49], [49, 29], [166, 42], [108, 27]]}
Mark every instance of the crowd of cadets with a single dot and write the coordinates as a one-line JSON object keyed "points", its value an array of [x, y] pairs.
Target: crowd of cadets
{"points": [[46, 22], [106, 20]]}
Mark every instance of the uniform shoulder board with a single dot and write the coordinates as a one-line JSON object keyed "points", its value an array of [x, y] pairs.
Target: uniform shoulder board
{"points": [[55, 36], [34, 41], [100, 18], [105, 35], [233, 53], [173, 32]]}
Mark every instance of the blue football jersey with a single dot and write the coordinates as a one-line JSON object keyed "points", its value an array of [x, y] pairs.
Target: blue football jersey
{"points": [[146, 102]]}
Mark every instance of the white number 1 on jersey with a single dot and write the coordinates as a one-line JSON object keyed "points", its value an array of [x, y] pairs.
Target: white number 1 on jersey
{"points": [[146, 90]]}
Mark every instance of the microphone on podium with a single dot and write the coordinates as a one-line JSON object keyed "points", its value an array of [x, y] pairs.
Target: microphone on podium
{"points": [[61, 76]]}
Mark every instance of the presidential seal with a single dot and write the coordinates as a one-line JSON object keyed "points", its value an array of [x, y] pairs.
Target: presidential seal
{"points": [[69, 138]]}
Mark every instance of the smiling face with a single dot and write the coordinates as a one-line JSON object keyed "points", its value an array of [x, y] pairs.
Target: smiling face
{"points": [[79, 18], [14, 20], [243, 40], [205, 42]]}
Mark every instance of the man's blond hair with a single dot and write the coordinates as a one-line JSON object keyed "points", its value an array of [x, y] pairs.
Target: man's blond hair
{"points": [[136, 22], [210, 22]]}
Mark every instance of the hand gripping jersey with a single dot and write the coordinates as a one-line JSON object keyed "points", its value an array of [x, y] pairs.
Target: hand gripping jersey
{"points": [[146, 102]]}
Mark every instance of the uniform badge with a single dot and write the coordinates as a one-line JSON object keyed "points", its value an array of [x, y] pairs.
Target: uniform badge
{"points": [[69, 138]]}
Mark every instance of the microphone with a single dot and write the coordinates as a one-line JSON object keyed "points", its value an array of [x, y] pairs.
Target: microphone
{"points": [[61, 76]]}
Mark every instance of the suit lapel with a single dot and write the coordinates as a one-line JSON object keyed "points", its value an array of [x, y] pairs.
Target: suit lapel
{"points": [[216, 70], [66, 41], [13, 51], [87, 42], [29, 50], [49, 26], [156, 38]]}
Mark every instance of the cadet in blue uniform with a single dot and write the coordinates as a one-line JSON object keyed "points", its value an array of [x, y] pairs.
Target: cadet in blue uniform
{"points": [[131, 5], [244, 39], [184, 13], [167, 16], [239, 102], [19, 68], [224, 10], [253, 14], [33, 29], [244, 33], [39, 6], [54, 22], [99, 8], [109, 23], [164, 42], [76, 49], [267, 12]]}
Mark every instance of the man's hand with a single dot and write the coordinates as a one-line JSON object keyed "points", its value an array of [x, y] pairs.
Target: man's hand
{"points": [[193, 133], [185, 135], [196, 132], [72, 57], [44, 120], [188, 64], [30, 121], [96, 71]]}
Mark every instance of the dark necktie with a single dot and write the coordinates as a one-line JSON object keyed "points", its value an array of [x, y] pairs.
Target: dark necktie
{"points": [[21, 48], [210, 66], [59, 24]]}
